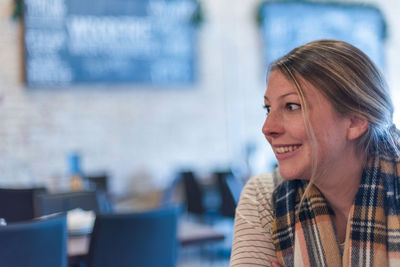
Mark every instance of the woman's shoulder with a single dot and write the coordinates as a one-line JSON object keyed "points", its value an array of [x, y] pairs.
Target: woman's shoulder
{"points": [[252, 243], [264, 180], [259, 189], [264, 183]]}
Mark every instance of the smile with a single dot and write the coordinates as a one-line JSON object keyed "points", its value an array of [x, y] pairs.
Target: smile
{"points": [[286, 149]]}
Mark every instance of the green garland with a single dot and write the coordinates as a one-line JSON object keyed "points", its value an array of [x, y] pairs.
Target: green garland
{"points": [[198, 16], [18, 9]]}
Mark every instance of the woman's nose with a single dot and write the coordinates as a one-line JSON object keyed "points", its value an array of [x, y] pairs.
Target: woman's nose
{"points": [[273, 125]]}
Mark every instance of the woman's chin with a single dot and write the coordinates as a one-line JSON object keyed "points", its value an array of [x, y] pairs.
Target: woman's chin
{"points": [[291, 175]]}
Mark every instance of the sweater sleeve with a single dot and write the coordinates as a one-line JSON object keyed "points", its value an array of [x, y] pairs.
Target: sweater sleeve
{"points": [[252, 241]]}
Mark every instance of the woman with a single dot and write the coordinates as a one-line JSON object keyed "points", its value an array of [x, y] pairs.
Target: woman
{"points": [[329, 123]]}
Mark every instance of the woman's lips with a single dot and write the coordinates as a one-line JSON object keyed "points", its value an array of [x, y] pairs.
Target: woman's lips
{"points": [[286, 151]]}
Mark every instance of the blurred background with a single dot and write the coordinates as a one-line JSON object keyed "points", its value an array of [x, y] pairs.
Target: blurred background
{"points": [[66, 107], [142, 133]]}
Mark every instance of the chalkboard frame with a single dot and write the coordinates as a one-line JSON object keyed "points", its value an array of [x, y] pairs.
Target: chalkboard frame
{"points": [[159, 51]]}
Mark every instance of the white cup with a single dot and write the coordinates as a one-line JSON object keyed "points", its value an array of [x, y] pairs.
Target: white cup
{"points": [[3, 222]]}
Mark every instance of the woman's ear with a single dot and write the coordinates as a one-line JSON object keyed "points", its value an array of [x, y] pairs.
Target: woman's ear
{"points": [[358, 126]]}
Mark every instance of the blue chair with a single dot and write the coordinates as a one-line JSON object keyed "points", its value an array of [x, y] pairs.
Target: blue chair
{"points": [[63, 202], [194, 193], [37, 243], [18, 205], [235, 186], [146, 239], [230, 189], [99, 182]]}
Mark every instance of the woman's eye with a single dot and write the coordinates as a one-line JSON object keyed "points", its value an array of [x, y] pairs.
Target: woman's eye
{"points": [[267, 108], [293, 106]]}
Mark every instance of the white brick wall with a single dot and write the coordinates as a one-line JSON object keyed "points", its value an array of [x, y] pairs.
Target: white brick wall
{"points": [[141, 135], [132, 130]]}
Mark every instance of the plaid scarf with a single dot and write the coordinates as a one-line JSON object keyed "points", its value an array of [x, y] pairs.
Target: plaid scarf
{"points": [[306, 237]]}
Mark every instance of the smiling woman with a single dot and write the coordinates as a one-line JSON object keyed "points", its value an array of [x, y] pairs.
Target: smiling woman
{"points": [[285, 130], [330, 124]]}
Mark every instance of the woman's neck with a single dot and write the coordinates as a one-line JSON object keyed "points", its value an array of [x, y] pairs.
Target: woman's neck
{"points": [[340, 195], [339, 183], [339, 186]]}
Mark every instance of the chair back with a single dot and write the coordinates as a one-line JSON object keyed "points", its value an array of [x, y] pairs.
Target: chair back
{"points": [[228, 203], [135, 239], [194, 193], [235, 186], [99, 182], [18, 204], [37, 243], [63, 202]]}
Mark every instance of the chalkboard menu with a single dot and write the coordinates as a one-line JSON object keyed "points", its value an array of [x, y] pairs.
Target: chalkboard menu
{"points": [[286, 25], [109, 41]]}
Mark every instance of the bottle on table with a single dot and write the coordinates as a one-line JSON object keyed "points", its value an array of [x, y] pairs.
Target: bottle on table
{"points": [[77, 181]]}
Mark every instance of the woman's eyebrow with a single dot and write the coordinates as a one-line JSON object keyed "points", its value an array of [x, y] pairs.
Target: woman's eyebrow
{"points": [[282, 96]]}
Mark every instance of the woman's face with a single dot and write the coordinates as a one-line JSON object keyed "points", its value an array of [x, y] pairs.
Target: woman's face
{"points": [[285, 130]]}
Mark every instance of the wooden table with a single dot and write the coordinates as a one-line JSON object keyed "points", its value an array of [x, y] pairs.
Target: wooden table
{"points": [[189, 233]]}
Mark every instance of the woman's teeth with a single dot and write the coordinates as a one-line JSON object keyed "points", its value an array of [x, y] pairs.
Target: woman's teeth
{"points": [[286, 149]]}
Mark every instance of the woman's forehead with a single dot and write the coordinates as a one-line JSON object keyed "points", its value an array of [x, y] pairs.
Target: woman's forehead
{"points": [[279, 86]]}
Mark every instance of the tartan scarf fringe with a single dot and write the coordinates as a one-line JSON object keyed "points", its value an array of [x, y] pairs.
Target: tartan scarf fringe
{"points": [[306, 236]]}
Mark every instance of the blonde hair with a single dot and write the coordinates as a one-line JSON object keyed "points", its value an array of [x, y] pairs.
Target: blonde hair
{"points": [[352, 84]]}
